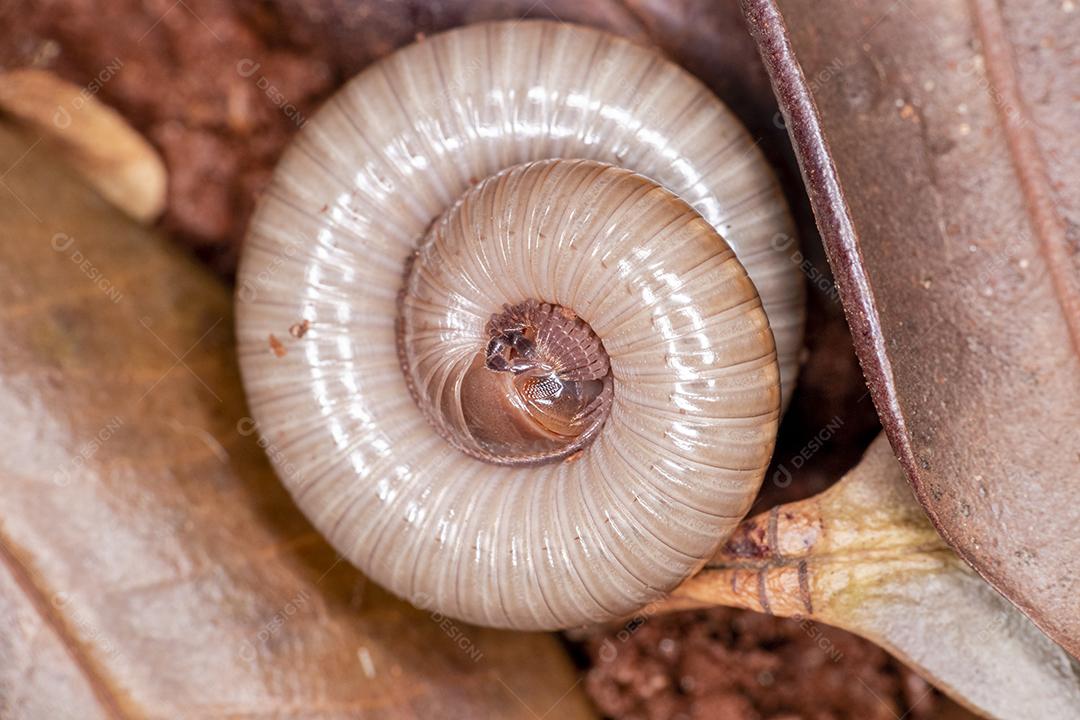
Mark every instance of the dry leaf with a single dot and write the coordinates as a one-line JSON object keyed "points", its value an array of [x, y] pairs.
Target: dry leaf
{"points": [[96, 141], [936, 141], [150, 562], [862, 556]]}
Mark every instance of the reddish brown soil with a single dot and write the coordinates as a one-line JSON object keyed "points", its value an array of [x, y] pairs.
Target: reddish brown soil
{"points": [[738, 665], [218, 87]]}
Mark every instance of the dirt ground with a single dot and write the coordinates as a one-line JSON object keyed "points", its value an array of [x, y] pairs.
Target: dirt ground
{"points": [[724, 663]]}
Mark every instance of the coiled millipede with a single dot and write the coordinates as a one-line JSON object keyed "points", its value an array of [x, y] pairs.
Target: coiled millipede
{"points": [[527, 381]]}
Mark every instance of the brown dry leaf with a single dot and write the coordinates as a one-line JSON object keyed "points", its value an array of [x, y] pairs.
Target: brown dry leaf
{"points": [[96, 141], [937, 141], [862, 556], [150, 563]]}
